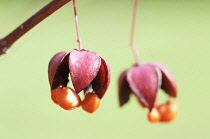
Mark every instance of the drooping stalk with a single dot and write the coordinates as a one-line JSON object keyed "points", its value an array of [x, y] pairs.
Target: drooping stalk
{"points": [[133, 28], [77, 25]]}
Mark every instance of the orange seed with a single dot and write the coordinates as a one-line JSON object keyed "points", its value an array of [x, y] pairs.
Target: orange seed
{"points": [[91, 102], [168, 111], [67, 98]]}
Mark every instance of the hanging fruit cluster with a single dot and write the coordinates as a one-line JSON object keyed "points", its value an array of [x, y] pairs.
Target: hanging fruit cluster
{"points": [[88, 71], [144, 80]]}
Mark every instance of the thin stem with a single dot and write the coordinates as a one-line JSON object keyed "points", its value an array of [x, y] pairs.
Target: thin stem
{"points": [[133, 28], [7, 41], [77, 25]]}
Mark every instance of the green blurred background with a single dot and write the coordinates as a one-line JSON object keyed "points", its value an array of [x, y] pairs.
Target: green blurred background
{"points": [[175, 32]]}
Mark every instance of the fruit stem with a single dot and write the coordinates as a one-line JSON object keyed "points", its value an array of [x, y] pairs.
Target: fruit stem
{"points": [[133, 28], [51, 7], [77, 25]]}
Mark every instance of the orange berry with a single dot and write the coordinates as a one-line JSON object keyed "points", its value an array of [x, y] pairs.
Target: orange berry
{"points": [[153, 115], [91, 102], [168, 111], [66, 98]]}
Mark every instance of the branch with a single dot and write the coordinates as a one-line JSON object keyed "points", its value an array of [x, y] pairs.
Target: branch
{"points": [[7, 41]]}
